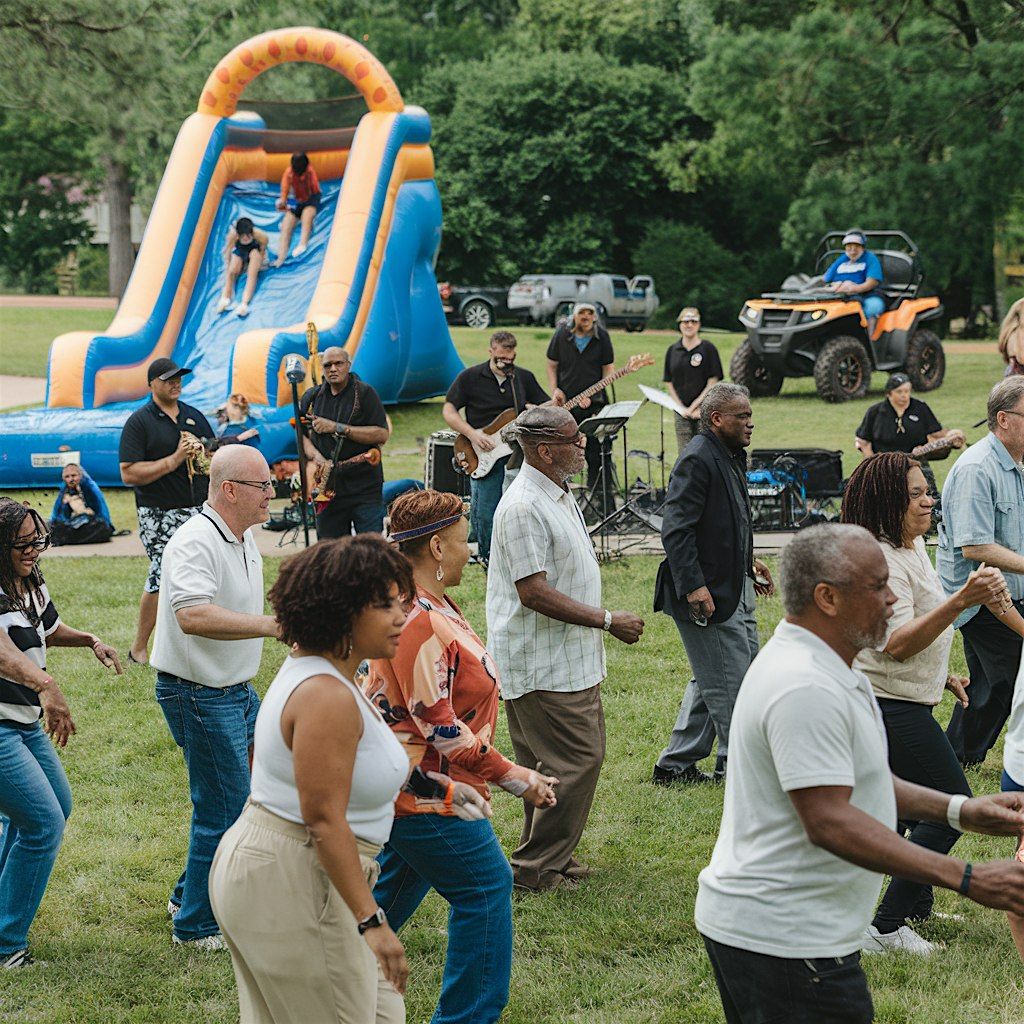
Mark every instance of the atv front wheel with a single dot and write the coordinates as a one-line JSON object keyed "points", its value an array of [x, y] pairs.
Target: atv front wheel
{"points": [[842, 370], [926, 361], [747, 369]]}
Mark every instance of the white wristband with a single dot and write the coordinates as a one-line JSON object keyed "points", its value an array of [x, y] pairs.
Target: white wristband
{"points": [[607, 620], [953, 811]]}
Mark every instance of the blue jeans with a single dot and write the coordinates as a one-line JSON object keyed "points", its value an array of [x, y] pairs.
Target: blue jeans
{"points": [[874, 305], [214, 728], [464, 862], [35, 801], [484, 496], [1007, 784]]}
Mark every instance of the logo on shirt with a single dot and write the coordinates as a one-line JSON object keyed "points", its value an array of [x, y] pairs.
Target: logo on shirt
{"points": [[190, 422], [696, 359], [852, 268]]}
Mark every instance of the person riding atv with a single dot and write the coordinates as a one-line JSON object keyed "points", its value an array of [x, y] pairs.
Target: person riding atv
{"points": [[862, 312]]}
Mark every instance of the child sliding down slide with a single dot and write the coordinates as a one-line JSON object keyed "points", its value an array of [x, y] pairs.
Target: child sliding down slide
{"points": [[246, 248], [301, 179]]}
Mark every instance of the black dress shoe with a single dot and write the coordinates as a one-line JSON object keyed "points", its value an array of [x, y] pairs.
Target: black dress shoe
{"points": [[691, 776], [720, 765]]}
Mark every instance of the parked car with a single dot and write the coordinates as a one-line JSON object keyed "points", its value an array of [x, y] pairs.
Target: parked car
{"points": [[543, 298], [620, 302], [474, 306]]}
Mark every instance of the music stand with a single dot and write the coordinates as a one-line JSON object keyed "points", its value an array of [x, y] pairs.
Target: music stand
{"points": [[663, 401]]}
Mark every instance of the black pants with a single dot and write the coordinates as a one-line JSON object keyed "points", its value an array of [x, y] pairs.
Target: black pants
{"points": [[604, 497], [96, 531], [919, 752], [993, 657], [339, 519], [760, 989]]}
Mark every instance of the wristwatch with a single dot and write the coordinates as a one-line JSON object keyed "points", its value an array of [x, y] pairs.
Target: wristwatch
{"points": [[607, 620], [375, 920], [341, 430]]}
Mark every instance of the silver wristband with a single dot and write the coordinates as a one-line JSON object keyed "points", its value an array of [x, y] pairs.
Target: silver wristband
{"points": [[607, 620], [953, 811]]}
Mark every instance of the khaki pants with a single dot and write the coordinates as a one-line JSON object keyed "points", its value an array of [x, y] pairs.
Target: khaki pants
{"points": [[564, 732], [297, 954], [687, 428]]}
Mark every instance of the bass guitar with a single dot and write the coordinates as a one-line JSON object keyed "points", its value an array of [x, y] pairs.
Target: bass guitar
{"points": [[320, 494], [477, 463], [939, 449]]}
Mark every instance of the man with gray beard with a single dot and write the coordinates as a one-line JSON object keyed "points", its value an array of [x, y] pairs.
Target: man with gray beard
{"points": [[809, 823]]}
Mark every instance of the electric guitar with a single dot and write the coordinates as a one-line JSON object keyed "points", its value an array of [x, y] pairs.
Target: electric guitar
{"points": [[477, 463], [319, 492]]}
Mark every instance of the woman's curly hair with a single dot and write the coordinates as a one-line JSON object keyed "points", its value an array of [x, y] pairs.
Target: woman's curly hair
{"points": [[420, 508], [24, 593], [877, 495], [320, 592]]}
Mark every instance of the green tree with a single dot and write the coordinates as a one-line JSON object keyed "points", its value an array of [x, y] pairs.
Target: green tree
{"points": [[549, 166], [874, 115], [42, 195]]}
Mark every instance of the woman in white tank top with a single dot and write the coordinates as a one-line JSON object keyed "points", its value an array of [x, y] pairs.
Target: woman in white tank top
{"points": [[291, 884]]}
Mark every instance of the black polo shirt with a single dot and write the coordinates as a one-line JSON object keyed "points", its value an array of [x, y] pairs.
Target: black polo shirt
{"points": [[151, 434], [483, 396], [359, 406], [888, 432], [689, 370], [577, 370]]}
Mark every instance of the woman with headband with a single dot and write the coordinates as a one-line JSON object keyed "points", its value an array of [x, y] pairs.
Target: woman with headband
{"points": [[439, 693]]}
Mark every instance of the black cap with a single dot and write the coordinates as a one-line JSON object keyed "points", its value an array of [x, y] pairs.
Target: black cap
{"points": [[165, 369], [897, 380]]}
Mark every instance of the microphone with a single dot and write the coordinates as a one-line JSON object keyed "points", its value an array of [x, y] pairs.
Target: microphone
{"points": [[294, 370]]}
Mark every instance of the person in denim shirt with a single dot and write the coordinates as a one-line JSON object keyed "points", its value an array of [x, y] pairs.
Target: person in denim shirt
{"points": [[983, 506]]}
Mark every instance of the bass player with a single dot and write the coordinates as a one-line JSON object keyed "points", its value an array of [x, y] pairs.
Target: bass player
{"points": [[343, 417], [579, 355], [478, 395]]}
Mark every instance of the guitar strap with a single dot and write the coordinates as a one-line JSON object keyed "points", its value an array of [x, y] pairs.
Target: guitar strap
{"points": [[331, 483]]}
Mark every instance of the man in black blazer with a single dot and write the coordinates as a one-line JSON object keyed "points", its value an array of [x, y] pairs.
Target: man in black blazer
{"points": [[709, 579]]}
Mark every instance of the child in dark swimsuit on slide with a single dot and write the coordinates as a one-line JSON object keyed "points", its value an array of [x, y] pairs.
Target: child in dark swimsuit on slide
{"points": [[246, 249]]}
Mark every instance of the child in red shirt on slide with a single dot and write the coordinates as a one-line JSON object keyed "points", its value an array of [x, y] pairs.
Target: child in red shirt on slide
{"points": [[301, 179]]}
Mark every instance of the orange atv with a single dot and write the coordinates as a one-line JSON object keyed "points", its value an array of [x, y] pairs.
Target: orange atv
{"points": [[806, 330]]}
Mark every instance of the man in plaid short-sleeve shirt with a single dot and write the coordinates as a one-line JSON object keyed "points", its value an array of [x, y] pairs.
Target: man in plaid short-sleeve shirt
{"points": [[544, 626]]}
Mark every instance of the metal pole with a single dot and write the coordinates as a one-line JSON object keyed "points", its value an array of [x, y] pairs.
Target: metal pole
{"points": [[303, 500]]}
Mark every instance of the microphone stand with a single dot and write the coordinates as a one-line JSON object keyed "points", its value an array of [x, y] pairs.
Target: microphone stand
{"points": [[303, 502]]}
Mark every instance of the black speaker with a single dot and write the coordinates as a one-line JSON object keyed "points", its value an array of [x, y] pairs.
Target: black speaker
{"points": [[439, 473]]}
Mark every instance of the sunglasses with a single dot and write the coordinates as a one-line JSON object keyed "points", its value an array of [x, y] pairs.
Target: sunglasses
{"points": [[575, 439], [36, 544], [689, 321], [337, 362]]}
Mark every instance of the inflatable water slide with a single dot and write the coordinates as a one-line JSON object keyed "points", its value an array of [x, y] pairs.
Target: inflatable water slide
{"points": [[366, 279]]}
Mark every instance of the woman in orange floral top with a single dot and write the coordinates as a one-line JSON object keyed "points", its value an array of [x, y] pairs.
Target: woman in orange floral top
{"points": [[440, 696]]}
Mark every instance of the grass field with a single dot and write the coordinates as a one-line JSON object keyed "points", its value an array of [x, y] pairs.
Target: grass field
{"points": [[26, 333], [621, 949]]}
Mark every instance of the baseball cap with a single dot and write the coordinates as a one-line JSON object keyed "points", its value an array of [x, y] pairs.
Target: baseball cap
{"points": [[896, 380], [165, 369], [855, 236], [688, 313], [580, 306]]}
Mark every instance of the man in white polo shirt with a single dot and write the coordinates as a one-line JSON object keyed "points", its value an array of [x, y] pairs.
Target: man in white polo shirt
{"points": [[808, 828], [545, 624], [209, 639]]}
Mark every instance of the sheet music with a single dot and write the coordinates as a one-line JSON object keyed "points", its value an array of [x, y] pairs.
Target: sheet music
{"points": [[661, 398]]}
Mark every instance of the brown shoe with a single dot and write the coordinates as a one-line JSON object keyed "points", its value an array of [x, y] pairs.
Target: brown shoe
{"points": [[576, 870], [548, 882]]}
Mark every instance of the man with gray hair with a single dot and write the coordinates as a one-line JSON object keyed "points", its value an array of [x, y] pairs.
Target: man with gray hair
{"points": [[210, 627], [545, 628], [708, 581], [809, 823], [982, 519]]}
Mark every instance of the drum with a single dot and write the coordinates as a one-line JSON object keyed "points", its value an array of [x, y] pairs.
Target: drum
{"points": [[439, 472]]}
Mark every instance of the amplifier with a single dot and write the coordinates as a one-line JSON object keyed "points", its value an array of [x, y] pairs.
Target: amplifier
{"points": [[439, 473]]}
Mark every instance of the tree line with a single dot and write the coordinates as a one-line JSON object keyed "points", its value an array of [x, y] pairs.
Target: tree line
{"points": [[706, 142]]}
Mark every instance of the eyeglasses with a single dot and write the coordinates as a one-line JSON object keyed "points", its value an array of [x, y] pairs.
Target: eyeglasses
{"points": [[263, 485], [36, 544], [1010, 412]]}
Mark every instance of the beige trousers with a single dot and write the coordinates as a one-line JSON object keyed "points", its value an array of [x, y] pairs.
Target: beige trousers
{"points": [[297, 954]]}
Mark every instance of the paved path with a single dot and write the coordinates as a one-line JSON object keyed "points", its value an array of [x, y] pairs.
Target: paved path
{"points": [[58, 302], [21, 391]]}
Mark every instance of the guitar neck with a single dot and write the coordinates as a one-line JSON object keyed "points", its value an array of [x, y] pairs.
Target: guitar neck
{"points": [[932, 446], [594, 388]]}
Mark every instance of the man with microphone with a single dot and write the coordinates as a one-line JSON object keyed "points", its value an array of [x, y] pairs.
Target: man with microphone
{"points": [[477, 396]]}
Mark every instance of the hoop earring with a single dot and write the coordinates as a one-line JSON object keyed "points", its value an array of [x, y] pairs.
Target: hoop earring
{"points": [[348, 647], [439, 574]]}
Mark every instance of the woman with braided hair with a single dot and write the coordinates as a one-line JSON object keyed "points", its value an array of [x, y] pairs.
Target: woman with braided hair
{"points": [[35, 798], [888, 495], [439, 694]]}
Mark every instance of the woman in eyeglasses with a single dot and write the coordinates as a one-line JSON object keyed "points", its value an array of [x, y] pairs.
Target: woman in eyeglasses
{"points": [[439, 694], [35, 799], [900, 423]]}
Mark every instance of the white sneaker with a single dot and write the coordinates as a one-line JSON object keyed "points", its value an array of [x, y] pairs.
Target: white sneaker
{"points": [[208, 943], [903, 940], [299, 250], [243, 309], [173, 909], [225, 304], [15, 961]]}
